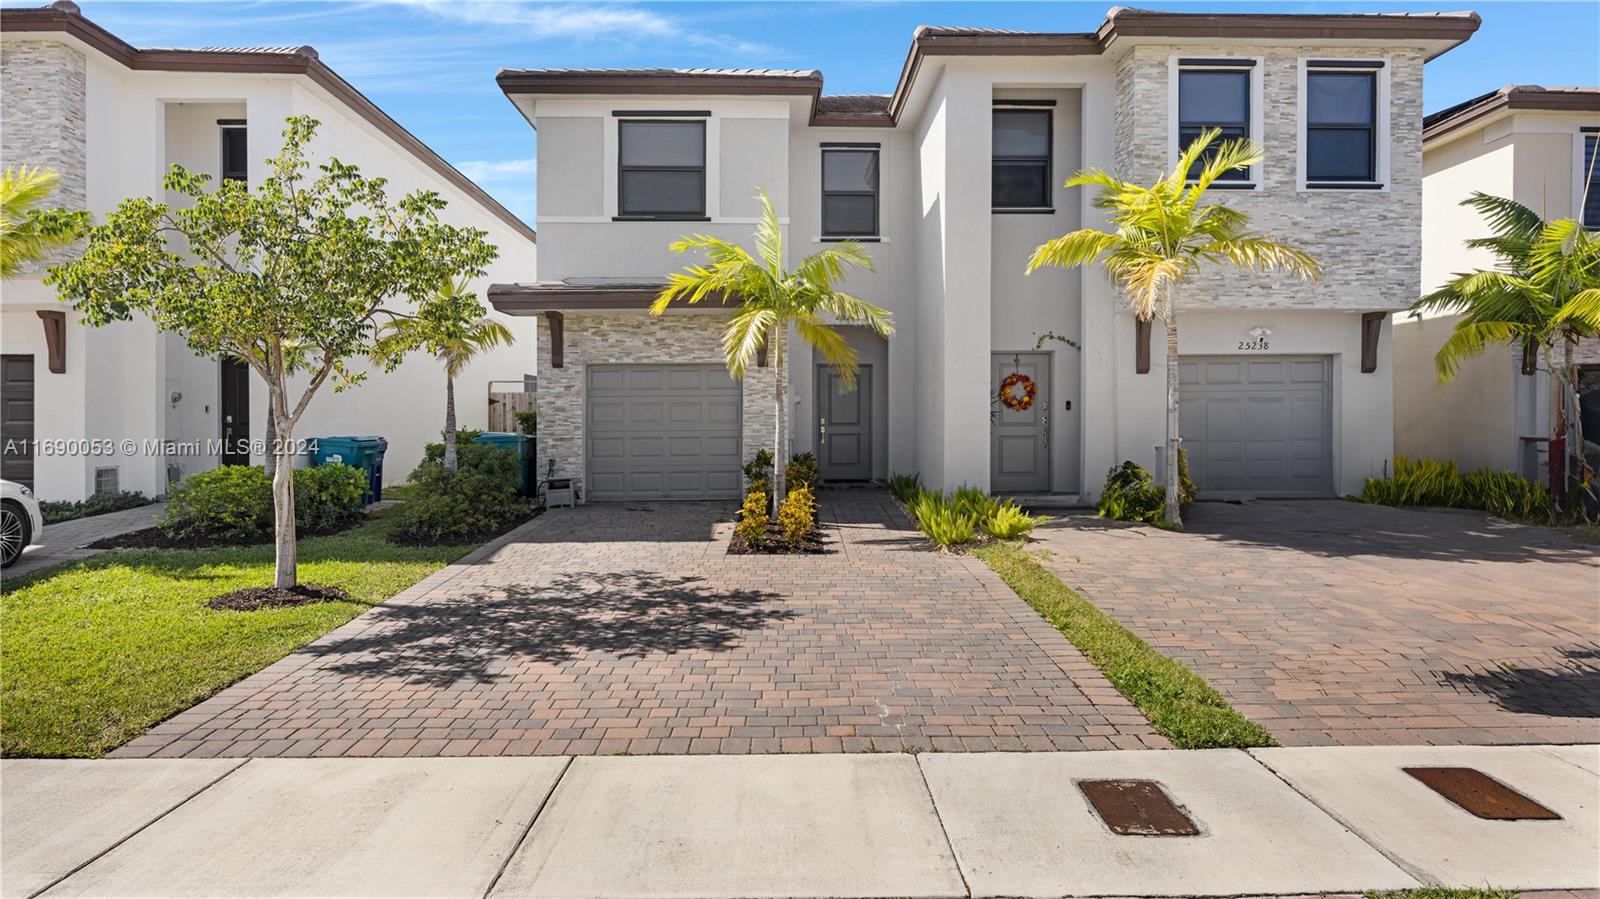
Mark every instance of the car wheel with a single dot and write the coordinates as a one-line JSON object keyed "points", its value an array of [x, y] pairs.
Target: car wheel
{"points": [[14, 534]]}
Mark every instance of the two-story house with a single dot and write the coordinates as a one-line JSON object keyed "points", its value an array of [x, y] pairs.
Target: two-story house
{"points": [[112, 118], [951, 181], [1534, 145]]}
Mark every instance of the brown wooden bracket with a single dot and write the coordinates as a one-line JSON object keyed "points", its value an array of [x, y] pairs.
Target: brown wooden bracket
{"points": [[1371, 327], [55, 339], [1141, 345], [558, 350], [761, 355], [1530, 357]]}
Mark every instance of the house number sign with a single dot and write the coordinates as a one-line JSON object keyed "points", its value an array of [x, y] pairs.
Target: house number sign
{"points": [[1258, 340]]}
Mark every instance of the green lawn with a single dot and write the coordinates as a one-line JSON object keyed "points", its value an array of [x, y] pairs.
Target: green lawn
{"points": [[1179, 703], [94, 653], [1443, 893]]}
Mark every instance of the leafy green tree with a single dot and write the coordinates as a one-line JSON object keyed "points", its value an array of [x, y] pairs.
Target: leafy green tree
{"points": [[453, 330], [771, 298], [28, 232], [1159, 236], [293, 277], [1544, 294]]}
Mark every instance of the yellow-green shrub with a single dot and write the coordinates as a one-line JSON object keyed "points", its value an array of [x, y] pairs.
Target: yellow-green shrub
{"points": [[797, 517], [753, 519]]}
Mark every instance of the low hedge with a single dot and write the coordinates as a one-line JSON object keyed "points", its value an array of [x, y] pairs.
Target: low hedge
{"points": [[56, 512], [1438, 482], [233, 503], [477, 500]]}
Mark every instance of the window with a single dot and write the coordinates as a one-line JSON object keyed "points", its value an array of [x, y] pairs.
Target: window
{"points": [[1590, 180], [235, 158], [1341, 127], [850, 191], [1021, 177], [1213, 98], [661, 169]]}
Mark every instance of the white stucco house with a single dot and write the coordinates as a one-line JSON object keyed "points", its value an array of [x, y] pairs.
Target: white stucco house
{"points": [[111, 118], [1534, 145], [951, 181]]}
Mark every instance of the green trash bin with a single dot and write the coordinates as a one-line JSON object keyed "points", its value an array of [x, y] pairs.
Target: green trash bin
{"points": [[365, 453], [523, 445]]}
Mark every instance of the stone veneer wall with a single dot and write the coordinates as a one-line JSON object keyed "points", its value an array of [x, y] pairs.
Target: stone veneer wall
{"points": [[42, 95], [633, 338], [1368, 242]]}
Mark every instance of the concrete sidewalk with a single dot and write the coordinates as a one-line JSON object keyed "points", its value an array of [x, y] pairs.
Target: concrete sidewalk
{"points": [[68, 541], [1270, 822]]}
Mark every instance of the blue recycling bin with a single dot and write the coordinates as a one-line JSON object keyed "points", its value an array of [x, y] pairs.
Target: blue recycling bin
{"points": [[522, 444], [365, 453]]}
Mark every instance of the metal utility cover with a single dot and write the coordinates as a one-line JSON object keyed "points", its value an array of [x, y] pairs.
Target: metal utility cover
{"points": [[1137, 808], [1481, 794]]}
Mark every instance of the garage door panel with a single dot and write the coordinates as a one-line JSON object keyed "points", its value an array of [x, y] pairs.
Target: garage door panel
{"points": [[1258, 427], [1219, 372], [677, 436]]}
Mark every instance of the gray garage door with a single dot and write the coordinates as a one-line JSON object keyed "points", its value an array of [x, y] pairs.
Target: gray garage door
{"points": [[1258, 426], [16, 418], [662, 432]]}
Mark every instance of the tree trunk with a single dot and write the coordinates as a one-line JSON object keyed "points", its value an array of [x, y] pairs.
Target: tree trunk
{"points": [[285, 550], [780, 396], [1174, 509], [450, 423], [272, 439]]}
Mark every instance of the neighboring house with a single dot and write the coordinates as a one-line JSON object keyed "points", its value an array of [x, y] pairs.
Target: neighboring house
{"points": [[112, 118], [1533, 145], [951, 181]]}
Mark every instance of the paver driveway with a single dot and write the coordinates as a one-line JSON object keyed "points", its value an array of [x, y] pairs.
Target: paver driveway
{"points": [[627, 628], [1336, 622]]}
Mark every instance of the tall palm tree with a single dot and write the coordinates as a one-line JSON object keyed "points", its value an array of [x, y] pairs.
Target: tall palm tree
{"points": [[453, 339], [1161, 235], [28, 232], [1544, 293], [770, 298]]}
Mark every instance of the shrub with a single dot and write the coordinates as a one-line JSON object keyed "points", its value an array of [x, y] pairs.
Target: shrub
{"points": [[1510, 496], [905, 487], [1436, 482], [797, 517], [230, 503], [462, 505], [972, 502], [753, 519], [801, 472], [941, 520], [473, 455], [99, 504], [759, 468], [1186, 485], [1131, 494], [328, 496], [529, 422], [1008, 521]]}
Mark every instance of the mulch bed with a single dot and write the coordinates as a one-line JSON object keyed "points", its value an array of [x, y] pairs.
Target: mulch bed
{"points": [[153, 538], [251, 598], [814, 545]]}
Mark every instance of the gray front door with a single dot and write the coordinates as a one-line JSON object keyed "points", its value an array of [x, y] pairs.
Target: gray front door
{"points": [[16, 418], [1019, 441], [1258, 425], [662, 432], [844, 426]]}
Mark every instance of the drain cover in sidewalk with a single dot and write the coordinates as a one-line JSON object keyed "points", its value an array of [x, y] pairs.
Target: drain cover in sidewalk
{"points": [[1137, 808], [1481, 794]]}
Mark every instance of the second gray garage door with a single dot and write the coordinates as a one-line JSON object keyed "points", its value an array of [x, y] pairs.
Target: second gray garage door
{"points": [[1258, 426], [662, 432]]}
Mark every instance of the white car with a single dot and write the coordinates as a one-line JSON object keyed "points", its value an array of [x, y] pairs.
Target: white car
{"points": [[20, 522]]}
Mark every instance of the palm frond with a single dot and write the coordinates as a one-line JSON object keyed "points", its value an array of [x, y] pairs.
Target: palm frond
{"points": [[831, 345], [745, 335], [854, 310], [769, 235], [1506, 217], [1230, 155], [1259, 254], [1581, 311], [1072, 249], [1468, 340]]}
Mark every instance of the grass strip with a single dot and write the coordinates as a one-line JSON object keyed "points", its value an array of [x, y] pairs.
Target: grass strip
{"points": [[95, 652], [1180, 704], [1442, 893]]}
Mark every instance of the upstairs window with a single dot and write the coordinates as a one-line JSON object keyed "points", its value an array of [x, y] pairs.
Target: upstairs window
{"points": [[1021, 177], [1213, 94], [235, 158], [1341, 126], [661, 169], [1590, 179], [850, 190]]}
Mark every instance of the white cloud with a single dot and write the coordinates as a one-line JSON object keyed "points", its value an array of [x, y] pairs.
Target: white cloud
{"points": [[505, 169], [542, 21]]}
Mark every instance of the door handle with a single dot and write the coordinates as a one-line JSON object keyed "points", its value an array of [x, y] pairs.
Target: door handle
{"points": [[1044, 427], [822, 432]]}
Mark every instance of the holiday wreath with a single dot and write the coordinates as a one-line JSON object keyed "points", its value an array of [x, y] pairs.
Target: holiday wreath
{"points": [[1018, 402]]}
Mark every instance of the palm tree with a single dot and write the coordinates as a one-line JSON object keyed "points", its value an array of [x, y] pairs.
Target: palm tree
{"points": [[453, 339], [27, 232], [770, 299], [1162, 233], [1545, 292]]}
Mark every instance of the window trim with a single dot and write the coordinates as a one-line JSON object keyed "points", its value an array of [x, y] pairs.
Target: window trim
{"points": [[1580, 175], [876, 193], [1382, 110], [701, 215], [1040, 107], [1252, 66], [223, 127]]}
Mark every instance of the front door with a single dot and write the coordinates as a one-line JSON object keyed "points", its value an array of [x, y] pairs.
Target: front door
{"points": [[16, 418], [235, 412], [1019, 439], [844, 426]]}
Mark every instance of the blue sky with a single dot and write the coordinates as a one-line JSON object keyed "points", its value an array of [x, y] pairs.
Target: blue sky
{"points": [[431, 63]]}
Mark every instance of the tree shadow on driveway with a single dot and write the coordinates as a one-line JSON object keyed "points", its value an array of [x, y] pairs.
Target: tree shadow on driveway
{"points": [[1572, 690], [483, 636]]}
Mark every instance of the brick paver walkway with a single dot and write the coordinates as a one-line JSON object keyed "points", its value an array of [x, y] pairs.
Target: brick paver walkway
{"points": [[1333, 622], [627, 628]]}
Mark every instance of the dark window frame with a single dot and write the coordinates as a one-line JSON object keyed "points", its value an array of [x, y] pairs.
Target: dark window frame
{"points": [[1238, 178], [241, 172], [1589, 177], [698, 215], [877, 201], [1048, 159], [1334, 69]]}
